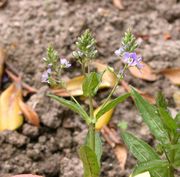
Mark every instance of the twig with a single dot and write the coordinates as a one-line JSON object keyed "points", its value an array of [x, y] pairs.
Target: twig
{"points": [[24, 85]]}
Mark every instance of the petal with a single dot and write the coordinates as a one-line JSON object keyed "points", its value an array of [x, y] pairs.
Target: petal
{"points": [[133, 55]]}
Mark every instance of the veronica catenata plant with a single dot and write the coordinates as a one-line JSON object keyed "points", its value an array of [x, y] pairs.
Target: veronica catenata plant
{"points": [[90, 152]]}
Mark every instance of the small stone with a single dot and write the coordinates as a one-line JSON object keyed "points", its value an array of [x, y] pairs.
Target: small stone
{"points": [[30, 131]]}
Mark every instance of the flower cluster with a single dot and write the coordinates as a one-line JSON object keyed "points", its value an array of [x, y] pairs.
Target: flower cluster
{"points": [[54, 67], [129, 57]]}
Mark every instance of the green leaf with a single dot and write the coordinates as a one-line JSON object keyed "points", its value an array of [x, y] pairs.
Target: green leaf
{"points": [[177, 155], [91, 84], [161, 101], [150, 166], [141, 150], [73, 106], [150, 117], [90, 162], [111, 104], [168, 121], [98, 145]]}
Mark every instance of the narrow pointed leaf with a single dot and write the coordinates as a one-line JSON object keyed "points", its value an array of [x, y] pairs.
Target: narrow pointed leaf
{"points": [[112, 104], [150, 117], [150, 166], [145, 174], [10, 112], [141, 150], [90, 162], [91, 84], [98, 147], [73, 106]]}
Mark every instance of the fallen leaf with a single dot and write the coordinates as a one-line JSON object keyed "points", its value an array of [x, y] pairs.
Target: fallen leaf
{"points": [[121, 154], [26, 175], [74, 86], [104, 119], [2, 2], [29, 113], [120, 150], [173, 74], [145, 73], [145, 174], [167, 36], [10, 112], [176, 97], [145, 95], [108, 79], [118, 4], [3, 57]]}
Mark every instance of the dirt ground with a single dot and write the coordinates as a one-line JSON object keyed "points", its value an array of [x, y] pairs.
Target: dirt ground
{"points": [[27, 27]]}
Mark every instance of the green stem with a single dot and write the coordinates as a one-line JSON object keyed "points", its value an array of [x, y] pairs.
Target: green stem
{"points": [[115, 86]]}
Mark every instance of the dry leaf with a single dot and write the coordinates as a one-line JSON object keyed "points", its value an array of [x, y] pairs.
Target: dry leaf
{"points": [[176, 97], [29, 114], [110, 135], [173, 74], [104, 119], [118, 4], [145, 95], [121, 154], [3, 57], [10, 113], [2, 2], [145, 174], [108, 79], [74, 86], [145, 73], [26, 175], [167, 36]]}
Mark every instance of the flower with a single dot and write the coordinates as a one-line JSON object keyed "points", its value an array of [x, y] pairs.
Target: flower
{"points": [[45, 75], [119, 51], [132, 59], [64, 63]]}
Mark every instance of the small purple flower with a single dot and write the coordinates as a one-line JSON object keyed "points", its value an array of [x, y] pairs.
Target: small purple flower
{"points": [[132, 59], [64, 63], [45, 75], [119, 51]]}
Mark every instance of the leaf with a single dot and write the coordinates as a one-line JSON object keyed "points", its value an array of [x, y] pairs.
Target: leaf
{"points": [[145, 174], [172, 74], [10, 112], [150, 166], [145, 95], [108, 78], [168, 121], [26, 175], [98, 147], [112, 104], [118, 4], [2, 60], [161, 101], [104, 119], [150, 117], [90, 163], [73, 106], [91, 84], [121, 153], [145, 73], [74, 86], [29, 114], [141, 150]]}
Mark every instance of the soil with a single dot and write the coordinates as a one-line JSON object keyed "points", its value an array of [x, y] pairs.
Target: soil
{"points": [[28, 27]]}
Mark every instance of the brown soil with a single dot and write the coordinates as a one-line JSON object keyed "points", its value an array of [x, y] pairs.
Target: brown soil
{"points": [[26, 29]]}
